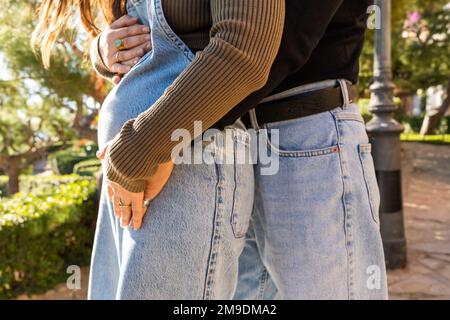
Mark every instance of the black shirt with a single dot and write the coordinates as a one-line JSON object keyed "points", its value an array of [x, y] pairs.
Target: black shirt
{"points": [[322, 39]]}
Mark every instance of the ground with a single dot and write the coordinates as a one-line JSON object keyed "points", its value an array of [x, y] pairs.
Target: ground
{"points": [[426, 191]]}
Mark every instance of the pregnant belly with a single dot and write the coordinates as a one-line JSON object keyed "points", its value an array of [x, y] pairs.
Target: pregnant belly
{"points": [[136, 93]]}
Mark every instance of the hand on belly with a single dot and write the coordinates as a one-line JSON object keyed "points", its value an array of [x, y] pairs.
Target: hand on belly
{"points": [[122, 44]]}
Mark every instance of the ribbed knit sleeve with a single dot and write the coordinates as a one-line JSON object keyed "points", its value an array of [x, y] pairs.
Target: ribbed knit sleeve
{"points": [[244, 40]]}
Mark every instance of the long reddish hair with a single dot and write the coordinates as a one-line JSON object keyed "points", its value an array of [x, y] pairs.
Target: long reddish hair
{"points": [[55, 14]]}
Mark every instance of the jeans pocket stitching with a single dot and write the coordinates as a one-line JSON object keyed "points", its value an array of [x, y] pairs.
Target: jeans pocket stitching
{"points": [[299, 153], [364, 151], [208, 288], [238, 225], [302, 153]]}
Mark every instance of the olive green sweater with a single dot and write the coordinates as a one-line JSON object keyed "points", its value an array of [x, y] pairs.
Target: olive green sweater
{"points": [[241, 39]]}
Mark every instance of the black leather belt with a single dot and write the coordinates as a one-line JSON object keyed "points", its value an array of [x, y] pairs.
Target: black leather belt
{"points": [[298, 106], [302, 105]]}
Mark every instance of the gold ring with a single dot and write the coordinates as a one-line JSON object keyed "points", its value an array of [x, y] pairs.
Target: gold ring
{"points": [[123, 205], [147, 202], [119, 44]]}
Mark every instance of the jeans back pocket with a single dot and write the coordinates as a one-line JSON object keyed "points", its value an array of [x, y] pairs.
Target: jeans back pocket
{"points": [[304, 137]]}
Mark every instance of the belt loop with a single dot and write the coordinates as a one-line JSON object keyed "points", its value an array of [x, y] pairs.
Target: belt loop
{"points": [[344, 91], [254, 120]]}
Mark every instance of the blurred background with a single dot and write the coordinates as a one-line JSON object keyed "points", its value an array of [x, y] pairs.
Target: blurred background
{"points": [[50, 177]]}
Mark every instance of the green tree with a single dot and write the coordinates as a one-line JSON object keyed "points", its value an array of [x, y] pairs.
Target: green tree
{"points": [[422, 53], [420, 45], [29, 126], [70, 79], [40, 107]]}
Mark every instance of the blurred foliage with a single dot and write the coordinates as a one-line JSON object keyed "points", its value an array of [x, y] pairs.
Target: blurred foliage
{"points": [[41, 107], [412, 124], [415, 137], [364, 105], [70, 83], [41, 183], [29, 126], [420, 45], [69, 75], [422, 58], [42, 233], [30, 123], [63, 161], [3, 186], [88, 167]]}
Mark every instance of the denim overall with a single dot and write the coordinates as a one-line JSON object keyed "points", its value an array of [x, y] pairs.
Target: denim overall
{"points": [[193, 233]]}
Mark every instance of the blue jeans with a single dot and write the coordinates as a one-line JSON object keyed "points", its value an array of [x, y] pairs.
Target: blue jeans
{"points": [[308, 231], [193, 232], [314, 231]]}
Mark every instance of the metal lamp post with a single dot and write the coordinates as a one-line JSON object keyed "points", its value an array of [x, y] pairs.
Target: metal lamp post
{"points": [[384, 133]]}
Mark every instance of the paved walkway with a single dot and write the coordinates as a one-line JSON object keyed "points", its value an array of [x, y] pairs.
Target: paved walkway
{"points": [[426, 190]]}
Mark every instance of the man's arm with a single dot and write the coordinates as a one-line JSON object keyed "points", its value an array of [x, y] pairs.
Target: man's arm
{"points": [[244, 40]]}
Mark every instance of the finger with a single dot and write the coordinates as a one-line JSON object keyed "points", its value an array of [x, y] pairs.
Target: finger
{"points": [[101, 153], [138, 210], [130, 62], [126, 213], [116, 79], [110, 192], [133, 30], [120, 68], [125, 55], [116, 204], [123, 21], [134, 41], [162, 176]]}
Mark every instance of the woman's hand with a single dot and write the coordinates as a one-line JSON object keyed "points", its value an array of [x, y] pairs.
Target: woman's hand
{"points": [[130, 207], [136, 42]]}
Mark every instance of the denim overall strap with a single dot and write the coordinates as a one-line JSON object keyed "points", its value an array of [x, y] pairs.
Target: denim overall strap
{"points": [[150, 76], [161, 26]]}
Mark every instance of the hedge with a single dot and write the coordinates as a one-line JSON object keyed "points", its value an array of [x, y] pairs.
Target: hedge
{"points": [[3, 186], [436, 139], [42, 233], [38, 183], [88, 167], [63, 161]]}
